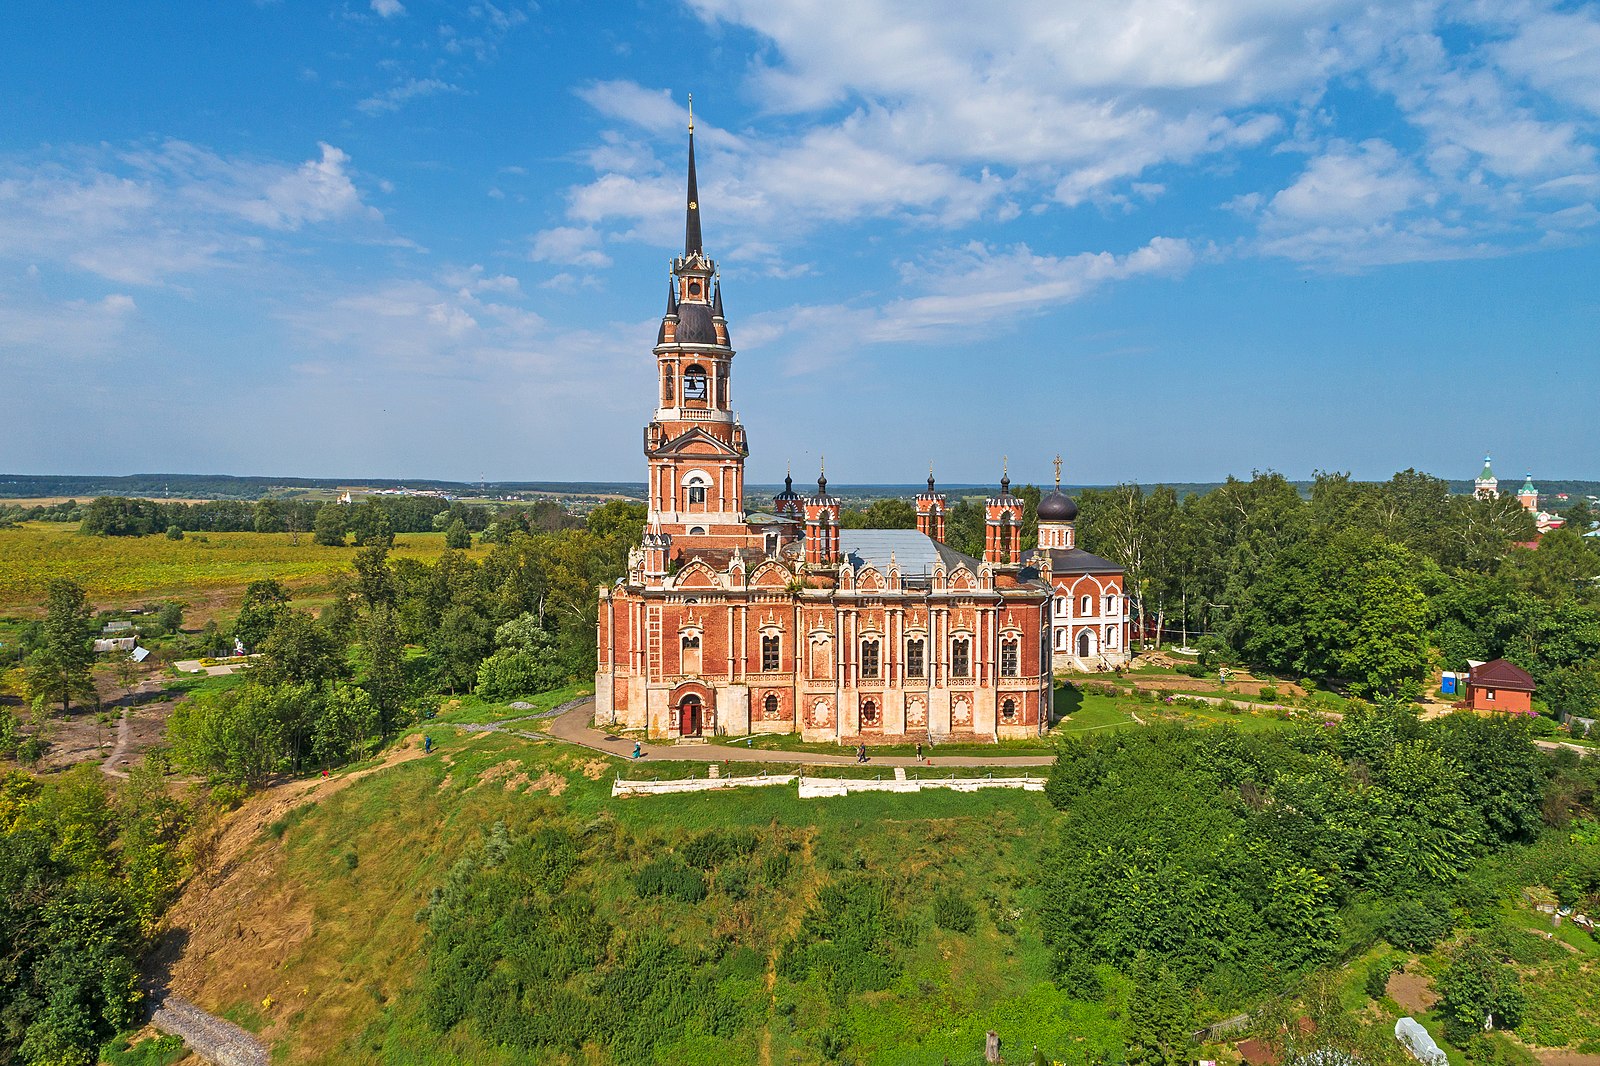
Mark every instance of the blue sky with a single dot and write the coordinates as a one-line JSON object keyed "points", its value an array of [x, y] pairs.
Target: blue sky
{"points": [[1170, 241]]}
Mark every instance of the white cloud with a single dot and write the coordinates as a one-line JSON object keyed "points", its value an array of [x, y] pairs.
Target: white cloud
{"points": [[1359, 184], [38, 332], [957, 295], [388, 8], [145, 216], [396, 97], [917, 112], [569, 246]]}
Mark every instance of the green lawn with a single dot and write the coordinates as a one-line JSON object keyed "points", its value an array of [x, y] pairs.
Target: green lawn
{"points": [[468, 709]]}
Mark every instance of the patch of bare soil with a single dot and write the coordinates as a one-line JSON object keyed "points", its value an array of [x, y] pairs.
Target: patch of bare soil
{"points": [[1414, 992], [549, 782], [593, 769], [1566, 1058], [500, 771], [1236, 686], [235, 918]]}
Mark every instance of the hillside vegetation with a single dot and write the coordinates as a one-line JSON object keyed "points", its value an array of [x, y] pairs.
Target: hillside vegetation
{"points": [[491, 904]]}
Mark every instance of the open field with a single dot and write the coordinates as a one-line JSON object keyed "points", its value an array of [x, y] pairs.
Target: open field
{"points": [[209, 571]]}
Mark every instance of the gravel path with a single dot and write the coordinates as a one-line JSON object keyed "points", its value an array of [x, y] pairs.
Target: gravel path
{"points": [[214, 1039]]}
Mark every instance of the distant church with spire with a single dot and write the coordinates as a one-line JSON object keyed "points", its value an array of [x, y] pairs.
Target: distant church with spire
{"points": [[735, 621], [1487, 487]]}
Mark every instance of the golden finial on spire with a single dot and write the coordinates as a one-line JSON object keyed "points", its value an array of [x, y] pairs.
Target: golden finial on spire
{"points": [[691, 112], [1058, 471], [1005, 466], [822, 464]]}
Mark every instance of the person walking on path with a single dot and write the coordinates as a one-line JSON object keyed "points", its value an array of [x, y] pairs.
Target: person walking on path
{"points": [[636, 749], [919, 753]]}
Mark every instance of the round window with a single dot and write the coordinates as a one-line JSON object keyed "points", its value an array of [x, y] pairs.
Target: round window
{"points": [[694, 288]]}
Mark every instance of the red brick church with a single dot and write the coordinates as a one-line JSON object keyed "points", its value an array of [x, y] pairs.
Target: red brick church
{"points": [[733, 621]]}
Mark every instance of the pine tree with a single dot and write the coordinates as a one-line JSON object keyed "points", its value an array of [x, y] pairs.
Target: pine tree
{"points": [[59, 668]]}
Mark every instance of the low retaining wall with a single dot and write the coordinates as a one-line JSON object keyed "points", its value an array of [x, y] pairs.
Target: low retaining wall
{"points": [[816, 787], [620, 787], [820, 787]]}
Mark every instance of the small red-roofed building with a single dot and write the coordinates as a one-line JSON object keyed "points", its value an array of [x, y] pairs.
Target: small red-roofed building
{"points": [[1499, 686]]}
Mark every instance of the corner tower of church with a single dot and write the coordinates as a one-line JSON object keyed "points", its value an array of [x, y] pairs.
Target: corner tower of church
{"points": [[695, 446]]}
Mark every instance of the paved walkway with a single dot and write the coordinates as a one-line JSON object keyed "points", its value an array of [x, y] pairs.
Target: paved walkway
{"points": [[574, 728]]}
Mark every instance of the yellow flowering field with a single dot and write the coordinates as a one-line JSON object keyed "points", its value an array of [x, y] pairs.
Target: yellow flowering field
{"points": [[202, 569]]}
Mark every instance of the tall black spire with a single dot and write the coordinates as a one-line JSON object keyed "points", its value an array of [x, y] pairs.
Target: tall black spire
{"points": [[691, 224]]}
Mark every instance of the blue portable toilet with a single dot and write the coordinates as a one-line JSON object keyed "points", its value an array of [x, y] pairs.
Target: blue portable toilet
{"points": [[1447, 684]]}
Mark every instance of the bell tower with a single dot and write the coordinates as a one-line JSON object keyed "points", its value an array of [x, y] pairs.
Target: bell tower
{"points": [[695, 444]]}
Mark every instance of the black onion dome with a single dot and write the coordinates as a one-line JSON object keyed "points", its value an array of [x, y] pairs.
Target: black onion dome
{"points": [[1057, 507], [695, 325]]}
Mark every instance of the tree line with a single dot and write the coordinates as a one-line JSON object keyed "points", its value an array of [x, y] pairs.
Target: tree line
{"points": [[1354, 581], [331, 687]]}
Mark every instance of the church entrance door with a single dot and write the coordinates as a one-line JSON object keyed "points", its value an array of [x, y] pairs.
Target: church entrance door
{"points": [[689, 717], [1085, 644]]}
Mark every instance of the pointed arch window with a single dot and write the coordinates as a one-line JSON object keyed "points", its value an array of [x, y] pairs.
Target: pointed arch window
{"points": [[666, 385], [771, 647], [1008, 657]]}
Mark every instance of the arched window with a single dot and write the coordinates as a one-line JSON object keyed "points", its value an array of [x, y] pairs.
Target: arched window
{"points": [[770, 648], [869, 658], [1086, 606], [769, 706], [960, 657], [694, 382], [697, 530], [666, 386], [1061, 605], [1008, 657], [697, 490], [916, 661], [1008, 710], [1111, 605], [691, 654], [1111, 636]]}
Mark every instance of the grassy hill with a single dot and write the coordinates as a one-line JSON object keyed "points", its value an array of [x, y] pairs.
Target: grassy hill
{"points": [[310, 927]]}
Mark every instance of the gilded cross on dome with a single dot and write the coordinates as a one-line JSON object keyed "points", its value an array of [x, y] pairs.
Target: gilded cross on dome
{"points": [[1058, 471]]}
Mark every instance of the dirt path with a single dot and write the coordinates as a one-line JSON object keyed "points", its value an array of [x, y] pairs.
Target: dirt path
{"points": [[109, 766], [574, 728]]}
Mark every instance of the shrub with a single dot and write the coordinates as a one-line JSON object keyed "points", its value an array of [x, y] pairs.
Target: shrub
{"points": [[174, 532], [1377, 983], [775, 867], [671, 878], [952, 911], [714, 847], [1414, 925], [1269, 693]]}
